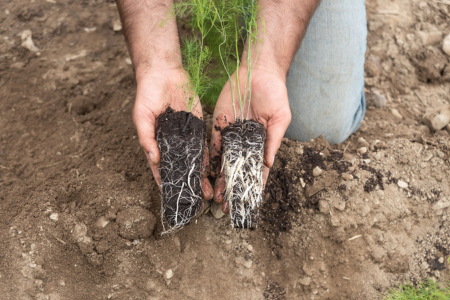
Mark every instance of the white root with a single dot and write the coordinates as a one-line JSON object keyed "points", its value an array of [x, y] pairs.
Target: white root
{"points": [[179, 177], [243, 167]]}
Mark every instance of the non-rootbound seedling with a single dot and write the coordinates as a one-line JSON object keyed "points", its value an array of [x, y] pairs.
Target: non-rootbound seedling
{"points": [[181, 136]]}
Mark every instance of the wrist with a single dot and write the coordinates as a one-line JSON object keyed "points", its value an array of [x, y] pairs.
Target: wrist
{"points": [[267, 66], [159, 68]]}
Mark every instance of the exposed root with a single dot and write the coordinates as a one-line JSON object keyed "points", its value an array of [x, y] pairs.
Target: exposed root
{"points": [[180, 169], [243, 156]]}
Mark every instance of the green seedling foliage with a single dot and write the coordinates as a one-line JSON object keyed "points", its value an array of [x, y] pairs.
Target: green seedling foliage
{"points": [[235, 31], [216, 69], [428, 290], [195, 60], [223, 25], [196, 55]]}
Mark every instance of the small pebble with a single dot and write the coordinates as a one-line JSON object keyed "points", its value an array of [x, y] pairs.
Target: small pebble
{"points": [[430, 38], [441, 260], [101, 222], [302, 182], [61, 282], [437, 119], [317, 171], [305, 281], [376, 99], [362, 142], [248, 264], [169, 274], [117, 26], [347, 177], [402, 184], [216, 210], [446, 45], [340, 205], [365, 210], [396, 114], [324, 207], [441, 204], [362, 150], [250, 248], [54, 217], [228, 242]]}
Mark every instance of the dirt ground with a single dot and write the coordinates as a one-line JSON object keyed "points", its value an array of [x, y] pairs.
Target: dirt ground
{"points": [[75, 187]]}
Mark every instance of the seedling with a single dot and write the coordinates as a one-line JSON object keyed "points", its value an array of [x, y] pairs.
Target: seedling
{"points": [[181, 136], [242, 141]]}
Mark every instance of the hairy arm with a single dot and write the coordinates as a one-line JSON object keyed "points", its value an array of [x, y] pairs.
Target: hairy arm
{"points": [[152, 38], [151, 34], [282, 25]]}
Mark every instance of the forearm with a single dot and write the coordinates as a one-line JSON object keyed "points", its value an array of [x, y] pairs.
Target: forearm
{"points": [[151, 44], [282, 25]]}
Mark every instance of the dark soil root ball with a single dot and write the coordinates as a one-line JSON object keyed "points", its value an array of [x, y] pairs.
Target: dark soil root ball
{"points": [[181, 140], [243, 165]]}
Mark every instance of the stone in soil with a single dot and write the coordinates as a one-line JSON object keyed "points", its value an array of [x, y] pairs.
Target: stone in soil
{"points": [[430, 38], [438, 118], [396, 114], [135, 223], [216, 210], [376, 99], [446, 45], [169, 274], [317, 171]]}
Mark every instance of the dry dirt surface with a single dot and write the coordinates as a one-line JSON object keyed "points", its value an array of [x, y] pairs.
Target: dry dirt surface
{"points": [[78, 201]]}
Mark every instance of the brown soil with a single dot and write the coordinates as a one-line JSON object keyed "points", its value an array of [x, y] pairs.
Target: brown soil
{"points": [[77, 195], [181, 138]]}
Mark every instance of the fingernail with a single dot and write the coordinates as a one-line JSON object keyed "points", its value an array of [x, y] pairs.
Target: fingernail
{"points": [[152, 157]]}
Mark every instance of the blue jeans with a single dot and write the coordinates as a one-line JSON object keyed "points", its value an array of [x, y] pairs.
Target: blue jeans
{"points": [[326, 79]]}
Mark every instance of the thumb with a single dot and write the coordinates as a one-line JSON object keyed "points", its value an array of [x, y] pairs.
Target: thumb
{"points": [[276, 129], [216, 143]]}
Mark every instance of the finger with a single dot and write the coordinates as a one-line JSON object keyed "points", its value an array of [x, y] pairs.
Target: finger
{"points": [[216, 143], [219, 188], [145, 124], [275, 133], [207, 190], [225, 208], [155, 171], [265, 176]]}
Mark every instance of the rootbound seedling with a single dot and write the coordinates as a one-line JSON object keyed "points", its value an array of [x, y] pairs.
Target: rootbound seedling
{"points": [[181, 136], [243, 156], [242, 141]]}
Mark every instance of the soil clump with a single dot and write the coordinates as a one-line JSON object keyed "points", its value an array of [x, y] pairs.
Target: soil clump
{"points": [[181, 139]]}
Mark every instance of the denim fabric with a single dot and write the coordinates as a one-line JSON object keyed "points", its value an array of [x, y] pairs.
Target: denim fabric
{"points": [[326, 79]]}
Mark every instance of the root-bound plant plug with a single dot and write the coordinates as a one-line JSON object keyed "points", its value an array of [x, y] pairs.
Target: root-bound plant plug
{"points": [[242, 141], [181, 136]]}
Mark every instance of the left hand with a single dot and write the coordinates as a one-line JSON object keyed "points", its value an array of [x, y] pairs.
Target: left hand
{"points": [[269, 106]]}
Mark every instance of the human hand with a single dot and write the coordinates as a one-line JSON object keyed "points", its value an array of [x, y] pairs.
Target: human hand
{"points": [[269, 106], [157, 90]]}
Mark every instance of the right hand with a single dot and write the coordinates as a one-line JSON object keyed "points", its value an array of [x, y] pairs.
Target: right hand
{"points": [[157, 90]]}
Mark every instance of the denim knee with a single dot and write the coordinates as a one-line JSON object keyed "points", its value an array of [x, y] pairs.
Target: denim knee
{"points": [[326, 79]]}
